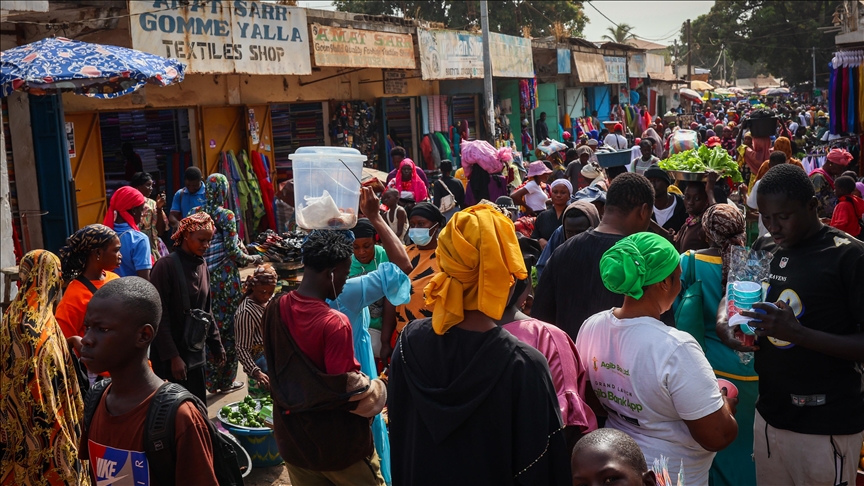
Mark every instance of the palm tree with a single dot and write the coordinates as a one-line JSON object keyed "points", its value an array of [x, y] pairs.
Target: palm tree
{"points": [[621, 34]]}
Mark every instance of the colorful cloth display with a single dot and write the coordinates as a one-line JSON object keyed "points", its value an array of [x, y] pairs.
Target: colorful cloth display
{"points": [[528, 94], [846, 93]]}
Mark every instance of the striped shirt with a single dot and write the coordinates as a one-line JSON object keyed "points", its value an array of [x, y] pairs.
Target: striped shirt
{"points": [[247, 326]]}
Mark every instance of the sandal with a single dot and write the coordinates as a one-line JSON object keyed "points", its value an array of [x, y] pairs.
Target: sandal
{"points": [[234, 387]]}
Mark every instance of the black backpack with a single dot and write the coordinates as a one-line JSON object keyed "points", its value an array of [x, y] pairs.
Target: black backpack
{"points": [[159, 444]]}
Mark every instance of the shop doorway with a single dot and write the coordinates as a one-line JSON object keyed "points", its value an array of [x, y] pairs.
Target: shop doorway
{"points": [[97, 140], [295, 125], [400, 126]]}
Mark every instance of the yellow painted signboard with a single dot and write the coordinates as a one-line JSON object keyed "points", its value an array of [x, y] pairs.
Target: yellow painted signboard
{"points": [[345, 47]]}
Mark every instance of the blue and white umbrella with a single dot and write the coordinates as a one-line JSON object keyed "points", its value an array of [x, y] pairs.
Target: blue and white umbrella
{"points": [[57, 64]]}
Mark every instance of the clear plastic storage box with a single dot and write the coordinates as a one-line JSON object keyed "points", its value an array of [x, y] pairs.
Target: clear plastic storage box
{"points": [[327, 186]]}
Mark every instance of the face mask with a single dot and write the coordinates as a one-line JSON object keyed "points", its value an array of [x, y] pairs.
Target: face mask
{"points": [[333, 285], [420, 236]]}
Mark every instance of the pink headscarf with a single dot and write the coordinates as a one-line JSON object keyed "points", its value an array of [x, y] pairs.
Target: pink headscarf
{"points": [[415, 185], [122, 201], [839, 157]]}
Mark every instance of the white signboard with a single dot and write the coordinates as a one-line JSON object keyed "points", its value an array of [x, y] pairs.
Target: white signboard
{"points": [[655, 63], [395, 82], [511, 56], [450, 54], [616, 69], [222, 36], [638, 66]]}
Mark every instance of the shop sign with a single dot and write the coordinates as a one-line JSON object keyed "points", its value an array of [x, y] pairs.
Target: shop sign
{"points": [[511, 56], [70, 139], [395, 83], [221, 36], [616, 69], [450, 54], [638, 66], [344, 47], [564, 61], [655, 63]]}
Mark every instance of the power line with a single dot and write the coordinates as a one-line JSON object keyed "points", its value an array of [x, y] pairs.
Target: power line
{"points": [[634, 35]]}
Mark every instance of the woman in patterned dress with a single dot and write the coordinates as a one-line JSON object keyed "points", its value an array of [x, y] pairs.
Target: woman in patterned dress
{"points": [[224, 257], [41, 408], [153, 220]]}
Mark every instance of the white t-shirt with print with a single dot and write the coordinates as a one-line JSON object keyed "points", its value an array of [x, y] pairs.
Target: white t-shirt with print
{"points": [[536, 198], [652, 377]]}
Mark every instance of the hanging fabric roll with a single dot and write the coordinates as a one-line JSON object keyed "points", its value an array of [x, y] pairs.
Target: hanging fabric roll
{"points": [[238, 191], [859, 72], [853, 94], [267, 192], [255, 204]]}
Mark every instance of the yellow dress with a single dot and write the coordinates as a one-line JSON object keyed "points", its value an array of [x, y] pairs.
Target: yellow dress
{"points": [[41, 409]]}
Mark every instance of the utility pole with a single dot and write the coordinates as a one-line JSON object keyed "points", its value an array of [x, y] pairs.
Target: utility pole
{"points": [[814, 74], [487, 71], [689, 56], [723, 47]]}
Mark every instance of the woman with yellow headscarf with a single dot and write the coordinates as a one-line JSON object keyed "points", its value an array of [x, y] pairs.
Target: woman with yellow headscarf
{"points": [[464, 392], [654, 379], [40, 402]]}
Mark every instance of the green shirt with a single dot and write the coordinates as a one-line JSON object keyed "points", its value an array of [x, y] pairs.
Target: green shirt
{"points": [[358, 269]]}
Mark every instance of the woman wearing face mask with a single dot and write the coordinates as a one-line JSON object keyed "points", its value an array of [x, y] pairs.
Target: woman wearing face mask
{"points": [[425, 223]]}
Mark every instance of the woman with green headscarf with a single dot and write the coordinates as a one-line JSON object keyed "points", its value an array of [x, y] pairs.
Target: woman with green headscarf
{"points": [[654, 381], [224, 257]]}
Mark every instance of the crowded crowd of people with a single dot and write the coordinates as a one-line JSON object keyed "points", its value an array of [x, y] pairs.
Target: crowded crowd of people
{"points": [[518, 322]]}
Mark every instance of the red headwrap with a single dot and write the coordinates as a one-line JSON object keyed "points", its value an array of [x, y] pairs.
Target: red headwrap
{"points": [[618, 127], [122, 201]]}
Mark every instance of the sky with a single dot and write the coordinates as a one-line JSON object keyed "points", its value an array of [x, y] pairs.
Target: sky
{"points": [[652, 19]]}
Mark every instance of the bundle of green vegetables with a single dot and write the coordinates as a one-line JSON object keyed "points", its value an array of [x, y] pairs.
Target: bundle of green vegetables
{"points": [[248, 413], [702, 160]]}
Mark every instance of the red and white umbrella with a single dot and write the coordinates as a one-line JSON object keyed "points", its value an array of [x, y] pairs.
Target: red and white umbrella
{"points": [[774, 91], [689, 94]]}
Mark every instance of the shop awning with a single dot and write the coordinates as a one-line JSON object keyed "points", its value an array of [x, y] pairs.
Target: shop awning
{"points": [[665, 75], [590, 67]]}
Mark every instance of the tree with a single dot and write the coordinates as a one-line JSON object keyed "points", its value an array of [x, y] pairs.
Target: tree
{"points": [[777, 34], [505, 16], [621, 34]]}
